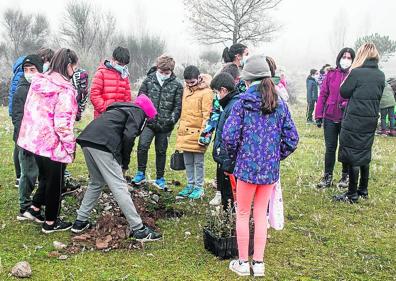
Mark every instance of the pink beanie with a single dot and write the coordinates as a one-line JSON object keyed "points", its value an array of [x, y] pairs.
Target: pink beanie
{"points": [[146, 105]]}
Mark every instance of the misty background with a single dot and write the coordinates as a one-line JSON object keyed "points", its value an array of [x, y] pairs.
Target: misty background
{"points": [[311, 32]]}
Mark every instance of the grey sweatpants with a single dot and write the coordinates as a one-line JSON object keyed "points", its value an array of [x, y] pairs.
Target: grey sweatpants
{"points": [[104, 169], [195, 170]]}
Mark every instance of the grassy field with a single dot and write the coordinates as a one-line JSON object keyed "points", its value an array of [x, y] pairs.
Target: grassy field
{"points": [[322, 240]]}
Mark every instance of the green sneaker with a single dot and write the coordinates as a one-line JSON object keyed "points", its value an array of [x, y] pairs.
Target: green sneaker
{"points": [[186, 191], [197, 193]]}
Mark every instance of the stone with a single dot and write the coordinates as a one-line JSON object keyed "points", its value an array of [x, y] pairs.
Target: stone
{"points": [[22, 270], [59, 245]]}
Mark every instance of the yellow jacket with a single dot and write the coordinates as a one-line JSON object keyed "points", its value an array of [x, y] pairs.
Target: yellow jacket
{"points": [[196, 108]]}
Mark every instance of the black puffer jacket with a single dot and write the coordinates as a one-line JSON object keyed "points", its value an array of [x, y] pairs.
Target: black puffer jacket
{"points": [[363, 87], [18, 104], [167, 99]]}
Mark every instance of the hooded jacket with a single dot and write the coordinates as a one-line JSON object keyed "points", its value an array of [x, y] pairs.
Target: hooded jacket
{"points": [[115, 131], [17, 71], [363, 87], [312, 89], [258, 141], [388, 97], [48, 119], [108, 87], [18, 106], [167, 99], [197, 105]]}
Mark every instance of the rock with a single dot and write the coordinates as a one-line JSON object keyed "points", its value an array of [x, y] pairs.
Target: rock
{"points": [[102, 244], [59, 245], [22, 270], [63, 257], [156, 198], [83, 237], [53, 254]]}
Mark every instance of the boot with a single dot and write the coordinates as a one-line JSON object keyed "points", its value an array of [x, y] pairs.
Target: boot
{"points": [[326, 181], [363, 192], [347, 197], [344, 181]]}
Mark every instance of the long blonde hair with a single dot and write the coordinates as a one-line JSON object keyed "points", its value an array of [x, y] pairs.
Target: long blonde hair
{"points": [[366, 51]]}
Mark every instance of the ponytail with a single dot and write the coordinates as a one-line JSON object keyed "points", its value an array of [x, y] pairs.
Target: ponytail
{"points": [[269, 97], [226, 55], [229, 54]]}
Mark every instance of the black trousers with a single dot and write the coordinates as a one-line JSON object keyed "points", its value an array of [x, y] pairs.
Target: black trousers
{"points": [[51, 182], [354, 172], [310, 109], [16, 162], [161, 145], [331, 135], [224, 186]]}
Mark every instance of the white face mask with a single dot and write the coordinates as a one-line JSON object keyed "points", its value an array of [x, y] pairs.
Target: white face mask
{"points": [[161, 78], [345, 63], [28, 77], [243, 61], [46, 67]]}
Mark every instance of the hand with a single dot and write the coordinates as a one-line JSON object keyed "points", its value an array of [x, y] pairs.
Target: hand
{"points": [[227, 173], [319, 122]]}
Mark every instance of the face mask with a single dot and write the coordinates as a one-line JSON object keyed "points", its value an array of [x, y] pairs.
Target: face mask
{"points": [[46, 67], [123, 70], [243, 61], [345, 63], [161, 78], [28, 77]]}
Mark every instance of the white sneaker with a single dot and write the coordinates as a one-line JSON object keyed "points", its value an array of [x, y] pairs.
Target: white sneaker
{"points": [[258, 268], [240, 268], [216, 199]]}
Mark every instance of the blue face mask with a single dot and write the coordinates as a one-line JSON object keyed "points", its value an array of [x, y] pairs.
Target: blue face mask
{"points": [[46, 67], [121, 69]]}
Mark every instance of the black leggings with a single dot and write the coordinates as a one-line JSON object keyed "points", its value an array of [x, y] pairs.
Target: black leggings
{"points": [[331, 133], [51, 182], [354, 178], [224, 186]]}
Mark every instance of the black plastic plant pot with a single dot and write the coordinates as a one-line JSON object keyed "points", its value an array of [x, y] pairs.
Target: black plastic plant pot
{"points": [[223, 247]]}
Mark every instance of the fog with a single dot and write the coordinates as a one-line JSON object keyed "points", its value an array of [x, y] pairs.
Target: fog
{"points": [[303, 42]]}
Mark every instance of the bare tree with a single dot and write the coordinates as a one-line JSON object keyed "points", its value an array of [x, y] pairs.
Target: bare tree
{"points": [[105, 35], [339, 33], [219, 21]]}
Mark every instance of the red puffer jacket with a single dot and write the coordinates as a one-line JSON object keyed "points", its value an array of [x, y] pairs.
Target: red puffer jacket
{"points": [[108, 87]]}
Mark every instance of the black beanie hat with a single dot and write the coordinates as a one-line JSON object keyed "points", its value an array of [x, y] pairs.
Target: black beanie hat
{"points": [[34, 60], [223, 79], [342, 52]]}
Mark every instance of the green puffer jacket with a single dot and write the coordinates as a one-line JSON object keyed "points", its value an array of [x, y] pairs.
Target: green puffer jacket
{"points": [[388, 97], [167, 99]]}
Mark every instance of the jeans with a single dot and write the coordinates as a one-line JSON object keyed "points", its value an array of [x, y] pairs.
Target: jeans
{"points": [[331, 134], [161, 145], [195, 170], [390, 112]]}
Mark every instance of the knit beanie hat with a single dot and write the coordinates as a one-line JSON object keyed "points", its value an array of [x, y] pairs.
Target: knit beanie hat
{"points": [[255, 68], [146, 105], [223, 79], [34, 60]]}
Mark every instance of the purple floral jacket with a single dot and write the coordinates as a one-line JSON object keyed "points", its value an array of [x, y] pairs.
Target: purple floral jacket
{"points": [[258, 141]]}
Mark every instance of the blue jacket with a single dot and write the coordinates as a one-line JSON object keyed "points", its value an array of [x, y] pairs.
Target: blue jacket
{"points": [[312, 89], [17, 74], [219, 151]]}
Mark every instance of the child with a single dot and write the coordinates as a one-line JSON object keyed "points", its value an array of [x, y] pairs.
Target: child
{"points": [[165, 91], [196, 107], [31, 65], [107, 143], [46, 55], [223, 85], [312, 94], [387, 107], [258, 134], [111, 82], [47, 132]]}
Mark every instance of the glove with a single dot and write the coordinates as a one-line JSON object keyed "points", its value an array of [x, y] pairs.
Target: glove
{"points": [[319, 122]]}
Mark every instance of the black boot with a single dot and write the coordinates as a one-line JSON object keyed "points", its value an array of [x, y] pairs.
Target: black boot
{"points": [[363, 184], [351, 196], [363, 192], [344, 181], [326, 181], [347, 197]]}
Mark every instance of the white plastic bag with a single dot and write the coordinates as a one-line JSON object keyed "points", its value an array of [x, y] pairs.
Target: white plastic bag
{"points": [[276, 218]]}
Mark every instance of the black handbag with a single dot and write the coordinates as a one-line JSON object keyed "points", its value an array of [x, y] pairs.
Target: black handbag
{"points": [[177, 161]]}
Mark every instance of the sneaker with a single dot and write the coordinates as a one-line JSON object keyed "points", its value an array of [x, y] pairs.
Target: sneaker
{"points": [[139, 178], [392, 133], [344, 181], [71, 185], [20, 216], [80, 226], [17, 182], [258, 268], [326, 181], [240, 268], [382, 132], [198, 192], [186, 191], [145, 234], [216, 199], [58, 225], [34, 215], [160, 183]]}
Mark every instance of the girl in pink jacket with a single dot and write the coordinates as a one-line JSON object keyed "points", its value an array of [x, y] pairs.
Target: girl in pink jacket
{"points": [[47, 132]]}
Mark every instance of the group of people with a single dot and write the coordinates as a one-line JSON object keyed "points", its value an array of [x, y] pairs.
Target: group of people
{"points": [[351, 96], [244, 107]]}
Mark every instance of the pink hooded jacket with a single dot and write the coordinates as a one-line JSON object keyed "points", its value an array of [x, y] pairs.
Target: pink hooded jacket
{"points": [[48, 120]]}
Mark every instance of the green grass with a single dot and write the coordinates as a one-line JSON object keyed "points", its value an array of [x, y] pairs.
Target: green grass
{"points": [[322, 240]]}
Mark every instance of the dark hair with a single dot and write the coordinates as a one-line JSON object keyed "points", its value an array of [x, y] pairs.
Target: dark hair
{"points": [[62, 58], [224, 80], [312, 71], [341, 54], [272, 65], [232, 69], [229, 54], [322, 70], [191, 72], [46, 54], [269, 97], [121, 55]]}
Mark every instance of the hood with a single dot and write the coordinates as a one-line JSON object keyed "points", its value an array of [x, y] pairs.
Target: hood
{"points": [[106, 65], [44, 83], [126, 106], [251, 99], [311, 78], [230, 96], [341, 53], [370, 63], [18, 64]]}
